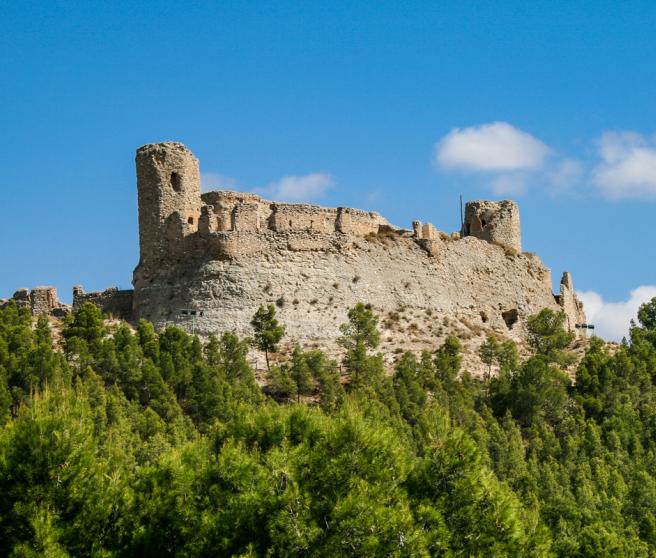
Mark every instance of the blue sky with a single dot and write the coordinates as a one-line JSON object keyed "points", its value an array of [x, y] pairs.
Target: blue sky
{"points": [[393, 106]]}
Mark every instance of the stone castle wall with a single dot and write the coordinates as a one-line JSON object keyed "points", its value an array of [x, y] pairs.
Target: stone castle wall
{"points": [[229, 252], [171, 209], [113, 302]]}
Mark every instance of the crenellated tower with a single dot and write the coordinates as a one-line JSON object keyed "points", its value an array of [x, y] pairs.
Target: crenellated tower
{"points": [[168, 185]]}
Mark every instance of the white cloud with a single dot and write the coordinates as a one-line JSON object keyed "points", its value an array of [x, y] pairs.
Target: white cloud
{"points": [[612, 319], [210, 181], [299, 188], [509, 185], [495, 147], [628, 166], [566, 175]]}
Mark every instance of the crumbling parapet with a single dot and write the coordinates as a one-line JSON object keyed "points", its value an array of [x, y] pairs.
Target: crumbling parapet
{"points": [[246, 217], [113, 302], [366, 222], [495, 222], [205, 220], [428, 237], [288, 217], [425, 231], [21, 298]]}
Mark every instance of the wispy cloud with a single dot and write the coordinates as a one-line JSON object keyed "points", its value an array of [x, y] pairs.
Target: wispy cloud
{"points": [[627, 167], [509, 185], [565, 175], [214, 181], [612, 319], [495, 147], [374, 197], [308, 187]]}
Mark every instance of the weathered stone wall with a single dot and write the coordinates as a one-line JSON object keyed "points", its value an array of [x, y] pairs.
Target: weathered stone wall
{"points": [[230, 245], [572, 307], [43, 300], [496, 222], [365, 222], [113, 302], [40, 300], [425, 231], [246, 217], [234, 211], [296, 217]]}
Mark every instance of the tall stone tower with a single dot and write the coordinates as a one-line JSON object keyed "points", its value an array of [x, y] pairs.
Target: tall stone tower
{"points": [[496, 222], [168, 185]]}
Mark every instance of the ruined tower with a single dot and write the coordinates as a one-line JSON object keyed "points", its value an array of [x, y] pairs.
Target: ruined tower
{"points": [[168, 185], [494, 221]]}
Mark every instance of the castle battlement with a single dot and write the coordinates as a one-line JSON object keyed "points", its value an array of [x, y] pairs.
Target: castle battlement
{"points": [[177, 220]]}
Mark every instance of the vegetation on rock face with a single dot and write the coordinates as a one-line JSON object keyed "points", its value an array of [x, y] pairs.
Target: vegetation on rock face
{"points": [[138, 443]]}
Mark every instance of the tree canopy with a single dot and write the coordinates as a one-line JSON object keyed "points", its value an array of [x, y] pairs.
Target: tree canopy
{"points": [[122, 441]]}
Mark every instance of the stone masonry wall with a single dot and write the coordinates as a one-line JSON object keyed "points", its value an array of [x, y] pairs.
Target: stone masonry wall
{"points": [[113, 302]]}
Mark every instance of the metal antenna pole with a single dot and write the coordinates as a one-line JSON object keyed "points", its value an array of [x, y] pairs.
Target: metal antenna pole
{"points": [[462, 218]]}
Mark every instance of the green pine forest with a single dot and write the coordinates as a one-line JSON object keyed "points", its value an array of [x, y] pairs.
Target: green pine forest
{"points": [[117, 441]]}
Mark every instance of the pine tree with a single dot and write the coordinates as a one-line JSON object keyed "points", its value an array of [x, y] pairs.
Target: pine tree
{"points": [[489, 353], [300, 373], [268, 332]]}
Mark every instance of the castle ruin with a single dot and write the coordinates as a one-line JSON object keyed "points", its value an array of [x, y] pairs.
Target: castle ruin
{"points": [[226, 253]]}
